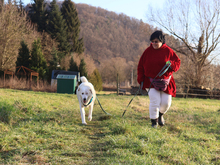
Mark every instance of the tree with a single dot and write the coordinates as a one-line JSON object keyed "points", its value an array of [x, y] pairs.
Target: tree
{"points": [[73, 26], [82, 68], [54, 61], [38, 62], [23, 58], [113, 69], [13, 26], [49, 45], [21, 5], [196, 24], [73, 65], [57, 29], [96, 80], [38, 14], [1, 4]]}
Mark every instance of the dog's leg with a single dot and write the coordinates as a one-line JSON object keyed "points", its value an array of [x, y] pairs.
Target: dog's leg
{"points": [[82, 111], [90, 111]]}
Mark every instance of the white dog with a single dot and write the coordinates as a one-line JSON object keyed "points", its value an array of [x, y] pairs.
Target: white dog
{"points": [[86, 96]]}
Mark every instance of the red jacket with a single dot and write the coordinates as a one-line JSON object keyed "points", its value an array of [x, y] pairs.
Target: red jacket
{"points": [[151, 63]]}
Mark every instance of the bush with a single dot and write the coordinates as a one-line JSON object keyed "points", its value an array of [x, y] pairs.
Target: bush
{"points": [[96, 80]]}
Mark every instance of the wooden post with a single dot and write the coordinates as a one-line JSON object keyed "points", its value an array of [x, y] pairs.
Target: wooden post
{"points": [[132, 75], [34, 74], [30, 81], [118, 84], [9, 73], [4, 78]]}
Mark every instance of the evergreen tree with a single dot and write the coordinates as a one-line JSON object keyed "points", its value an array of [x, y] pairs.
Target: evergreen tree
{"points": [[82, 68], [57, 29], [21, 5], [73, 26], [2, 2], [23, 58], [38, 62], [38, 14], [96, 80], [54, 61], [73, 65]]}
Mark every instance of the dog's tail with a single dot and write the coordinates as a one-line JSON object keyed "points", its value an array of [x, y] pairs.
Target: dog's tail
{"points": [[84, 79]]}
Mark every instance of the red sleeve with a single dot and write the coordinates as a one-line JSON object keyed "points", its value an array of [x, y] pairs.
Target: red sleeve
{"points": [[140, 70], [175, 62]]}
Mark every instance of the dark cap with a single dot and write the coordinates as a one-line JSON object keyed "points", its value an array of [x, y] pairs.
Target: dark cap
{"points": [[159, 35]]}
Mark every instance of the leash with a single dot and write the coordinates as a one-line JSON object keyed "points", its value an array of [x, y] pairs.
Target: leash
{"points": [[133, 97], [162, 71], [99, 104], [101, 107]]}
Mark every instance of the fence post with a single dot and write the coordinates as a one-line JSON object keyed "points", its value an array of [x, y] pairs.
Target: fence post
{"points": [[118, 84]]}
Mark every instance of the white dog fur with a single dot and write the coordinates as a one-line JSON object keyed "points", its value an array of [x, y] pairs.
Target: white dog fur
{"points": [[86, 95]]}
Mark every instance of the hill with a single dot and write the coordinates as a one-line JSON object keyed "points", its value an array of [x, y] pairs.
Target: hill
{"points": [[107, 34]]}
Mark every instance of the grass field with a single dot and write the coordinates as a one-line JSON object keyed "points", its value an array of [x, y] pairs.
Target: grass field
{"points": [[45, 128]]}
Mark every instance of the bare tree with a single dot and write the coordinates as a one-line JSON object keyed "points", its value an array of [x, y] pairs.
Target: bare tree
{"points": [[196, 24], [112, 68], [13, 24]]}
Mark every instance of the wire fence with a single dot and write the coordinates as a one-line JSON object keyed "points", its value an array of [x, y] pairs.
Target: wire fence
{"points": [[182, 90], [185, 91]]}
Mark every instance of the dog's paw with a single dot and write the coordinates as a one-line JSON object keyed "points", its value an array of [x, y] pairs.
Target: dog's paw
{"points": [[84, 123], [90, 118]]}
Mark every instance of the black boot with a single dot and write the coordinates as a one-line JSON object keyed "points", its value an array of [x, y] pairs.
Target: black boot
{"points": [[154, 123], [161, 120]]}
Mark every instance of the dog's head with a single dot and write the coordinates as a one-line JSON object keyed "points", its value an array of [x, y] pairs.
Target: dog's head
{"points": [[85, 93]]}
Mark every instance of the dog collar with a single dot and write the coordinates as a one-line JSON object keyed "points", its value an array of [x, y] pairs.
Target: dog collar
{"points": [[89, 102]]}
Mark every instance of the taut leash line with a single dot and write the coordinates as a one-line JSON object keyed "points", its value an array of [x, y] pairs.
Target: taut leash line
{"points": [[141, 86], [101, 107]]}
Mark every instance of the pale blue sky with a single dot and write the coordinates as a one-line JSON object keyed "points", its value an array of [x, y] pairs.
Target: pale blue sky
{"points": [[131, 8]]}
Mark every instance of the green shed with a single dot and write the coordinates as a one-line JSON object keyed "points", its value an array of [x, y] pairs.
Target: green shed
{"points": [[66, 83]]}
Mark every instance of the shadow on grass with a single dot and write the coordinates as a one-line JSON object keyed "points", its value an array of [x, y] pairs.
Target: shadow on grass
{"points": [[6, 155], [209, 121], [5, 112], [104, 94]]}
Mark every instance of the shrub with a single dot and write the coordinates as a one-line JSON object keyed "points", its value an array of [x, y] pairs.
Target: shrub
{"points": [[96, 80]]}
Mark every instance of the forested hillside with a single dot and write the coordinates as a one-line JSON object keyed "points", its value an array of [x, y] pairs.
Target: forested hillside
{"points": [[115, 41], [107, 34]]}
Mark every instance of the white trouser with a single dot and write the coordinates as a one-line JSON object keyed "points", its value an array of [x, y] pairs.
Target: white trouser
{"points": [[159, 102]]}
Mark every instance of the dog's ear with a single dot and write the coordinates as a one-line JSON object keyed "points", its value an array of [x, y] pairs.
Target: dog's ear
{"points": [[78, 89]]}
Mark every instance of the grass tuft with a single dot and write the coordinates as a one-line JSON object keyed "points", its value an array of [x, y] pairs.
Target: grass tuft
{"points": [[106, 117]]}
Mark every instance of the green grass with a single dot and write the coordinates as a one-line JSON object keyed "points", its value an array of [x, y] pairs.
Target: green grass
{"points": [[45, 128]]}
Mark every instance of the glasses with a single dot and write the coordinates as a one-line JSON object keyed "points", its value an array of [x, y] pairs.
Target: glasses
{"points": [[155, 42]]}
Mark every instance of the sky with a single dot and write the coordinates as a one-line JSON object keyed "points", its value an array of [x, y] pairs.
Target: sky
{"points": [[132, 8]]}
